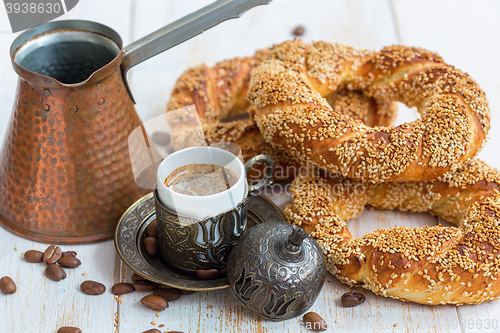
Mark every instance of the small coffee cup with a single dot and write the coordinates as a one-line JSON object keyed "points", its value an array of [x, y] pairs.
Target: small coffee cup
{"points": [[198, 232], [201, 206]]}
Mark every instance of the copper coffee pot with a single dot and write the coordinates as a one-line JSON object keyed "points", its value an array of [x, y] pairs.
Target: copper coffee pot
{"points": [[65, 174]]}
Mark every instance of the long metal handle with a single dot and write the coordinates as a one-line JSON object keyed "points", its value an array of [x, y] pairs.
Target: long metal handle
{"points": [[182, 30]]}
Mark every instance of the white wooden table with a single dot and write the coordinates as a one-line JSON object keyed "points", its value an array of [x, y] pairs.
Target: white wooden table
{"points": [[465, 33]]}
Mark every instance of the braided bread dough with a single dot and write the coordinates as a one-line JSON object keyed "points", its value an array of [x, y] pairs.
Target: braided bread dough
{"points": [[428, 265], [219, 94], [287, 89]]}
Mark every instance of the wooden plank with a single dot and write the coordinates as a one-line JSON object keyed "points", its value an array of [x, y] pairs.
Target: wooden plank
{"points": [[366, 24], [466, 35], [41, 305]]}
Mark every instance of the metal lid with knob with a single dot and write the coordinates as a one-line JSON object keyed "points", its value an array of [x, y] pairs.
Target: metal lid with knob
{"points": [[276, 269]]}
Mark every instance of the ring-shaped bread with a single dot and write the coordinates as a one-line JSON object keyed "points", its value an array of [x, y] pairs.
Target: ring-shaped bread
{"points": [[220, 94], [287, 91], [428, 265]]}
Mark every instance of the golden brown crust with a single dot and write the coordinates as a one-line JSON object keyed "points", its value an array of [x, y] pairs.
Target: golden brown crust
{"points": [[429, 265], [287, 90], [219, 94]]}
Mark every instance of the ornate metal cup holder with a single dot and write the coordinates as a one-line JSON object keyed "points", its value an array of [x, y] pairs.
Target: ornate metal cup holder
{"points": [[130, 233], [190, 244]]}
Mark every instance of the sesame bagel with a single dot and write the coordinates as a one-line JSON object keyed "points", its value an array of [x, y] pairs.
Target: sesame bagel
{"points": [[287, 91], [220, 96], [428, 265]]}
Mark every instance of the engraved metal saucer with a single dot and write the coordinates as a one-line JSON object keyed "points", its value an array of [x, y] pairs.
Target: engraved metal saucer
{"points": [[130, 233]]}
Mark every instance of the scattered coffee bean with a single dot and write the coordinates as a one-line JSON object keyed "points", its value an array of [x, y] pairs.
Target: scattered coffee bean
{"points": [[52, 255], [69, 262], [207, 274], [153, 330], [137, 277], [55, 272], [223, 271], [161, 138], [33, 256], [68, 329], [299, 31], [7, 285], [92, 288], [151, 246], [186, 292], [144, 285], [155, 302], [122, 288], [69, 254], [313, 321], [170, 294], [352, 299], [152, 229]]}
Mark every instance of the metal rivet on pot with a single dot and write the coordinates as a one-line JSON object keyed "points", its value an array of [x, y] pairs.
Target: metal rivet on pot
{"points": [[74, 109], [46, 107], [118, 87], [101, 101], [99, 86], [46, 92]]}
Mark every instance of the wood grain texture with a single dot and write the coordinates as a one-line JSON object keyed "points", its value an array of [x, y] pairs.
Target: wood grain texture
{"points": [[365, 24], [42, 305]]}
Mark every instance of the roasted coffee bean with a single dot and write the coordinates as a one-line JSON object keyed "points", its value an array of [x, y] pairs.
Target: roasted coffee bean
{"points": [[299, 31], [186, 292], [33, 256], [144, 285], [151, 246], [69, 254], [152, 229], [70, 262], [55, 272], [52, 255], [155, 302], [170, 294], [137, 277], [207, 274], [7, 285], [92, 288], [122, 288], [68, 329], [313, 321], [352, 299]]}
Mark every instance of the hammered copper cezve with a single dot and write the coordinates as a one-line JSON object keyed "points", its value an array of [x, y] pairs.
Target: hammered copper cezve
{"points": [[65, 174]]}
